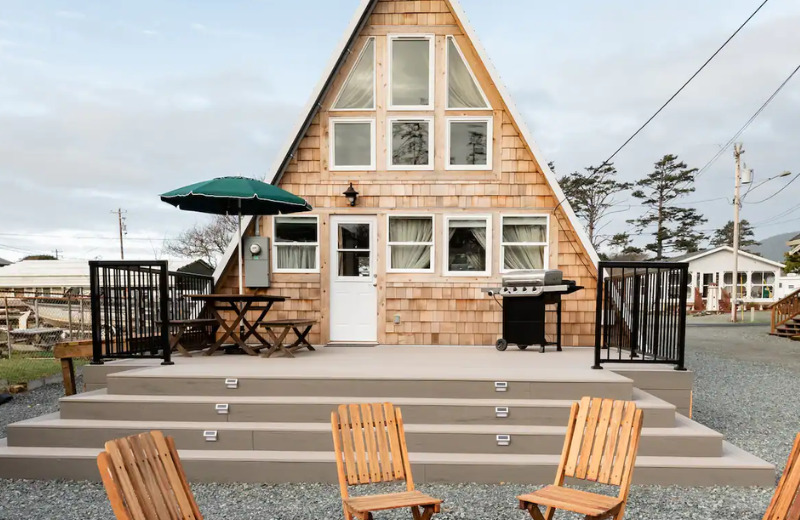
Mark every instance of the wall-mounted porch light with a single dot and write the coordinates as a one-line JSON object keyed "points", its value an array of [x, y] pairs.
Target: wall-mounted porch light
{"points": [[351, 194]]}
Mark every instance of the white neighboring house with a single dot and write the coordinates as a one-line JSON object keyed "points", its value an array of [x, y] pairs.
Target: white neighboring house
{"points": [[711, 271], [788, 284], [45, 277]]}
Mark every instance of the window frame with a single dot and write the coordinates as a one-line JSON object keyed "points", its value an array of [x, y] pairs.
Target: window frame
{"points": [[391, 38], [504, 244], [452, 38], [763, 284], [333, 121], [389, 243], [374, 79], [390, 143], [446, 247], [489, 120], [276, 245]]}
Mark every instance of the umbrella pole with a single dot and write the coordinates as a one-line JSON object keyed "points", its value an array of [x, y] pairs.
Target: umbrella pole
{"points": [[241, 288]]}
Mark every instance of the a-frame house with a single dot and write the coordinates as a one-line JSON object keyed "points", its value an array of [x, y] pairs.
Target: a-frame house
{"points": [[452, 193]]}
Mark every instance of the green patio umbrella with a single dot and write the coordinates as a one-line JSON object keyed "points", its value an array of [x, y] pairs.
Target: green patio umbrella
{"points": [[235, 196]]}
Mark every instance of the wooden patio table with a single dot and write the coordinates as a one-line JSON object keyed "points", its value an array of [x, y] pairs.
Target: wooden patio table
{"points": [[240, 305]]}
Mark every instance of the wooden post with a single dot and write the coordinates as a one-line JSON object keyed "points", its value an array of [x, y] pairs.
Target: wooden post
{"points": [[69, 317]]}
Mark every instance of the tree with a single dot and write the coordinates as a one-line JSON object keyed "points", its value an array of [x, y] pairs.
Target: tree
{"points": [[792, 263], [39, 257], [207, 241], [592, 197], [724, 236], [675, 227]]}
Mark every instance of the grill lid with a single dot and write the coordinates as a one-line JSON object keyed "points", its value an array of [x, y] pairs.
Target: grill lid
{"points": [[533, 277]]}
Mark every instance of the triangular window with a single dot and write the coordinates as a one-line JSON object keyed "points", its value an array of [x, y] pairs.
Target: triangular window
{"points": [[358, 92], [462, 89]]}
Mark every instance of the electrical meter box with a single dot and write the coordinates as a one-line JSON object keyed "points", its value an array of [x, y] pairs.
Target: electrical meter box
{"points": [[256, 253]]}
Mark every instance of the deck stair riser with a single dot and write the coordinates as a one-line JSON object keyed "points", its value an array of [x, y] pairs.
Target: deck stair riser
{"points": [[102, 406], [735, 468], [126, 384], [687, 440]]}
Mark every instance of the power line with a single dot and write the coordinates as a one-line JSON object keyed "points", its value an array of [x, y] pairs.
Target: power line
{"points": [[780, 190], [88, 237], [747, 124], [683, 86]]}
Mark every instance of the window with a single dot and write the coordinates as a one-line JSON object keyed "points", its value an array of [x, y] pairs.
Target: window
{"points": [[411, 80], [295, 244], [762, 285], [727, 284], [524, 243], [467, 251], [358, 92], [352, 144], [469, 143], [463, 91], [411, 244], [411, 144]]}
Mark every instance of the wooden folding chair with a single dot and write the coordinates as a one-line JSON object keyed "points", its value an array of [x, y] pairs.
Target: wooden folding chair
{"points": [[785, 504], [144, 479], [600, 446], [370, 446]]}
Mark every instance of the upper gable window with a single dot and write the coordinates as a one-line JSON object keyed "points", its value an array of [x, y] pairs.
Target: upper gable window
{"points": [[463, 91], [352, 144], [358, 92], [411, 77]]}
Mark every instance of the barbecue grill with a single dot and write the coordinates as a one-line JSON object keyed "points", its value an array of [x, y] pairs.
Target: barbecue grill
{"points": [[526, 295]]}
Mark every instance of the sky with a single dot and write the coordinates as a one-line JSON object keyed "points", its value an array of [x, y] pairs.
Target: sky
{"points": [[106, 104]]}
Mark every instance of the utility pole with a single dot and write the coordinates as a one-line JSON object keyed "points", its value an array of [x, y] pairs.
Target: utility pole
{"points": [[122, 231], [56, 251], [738, 150]]}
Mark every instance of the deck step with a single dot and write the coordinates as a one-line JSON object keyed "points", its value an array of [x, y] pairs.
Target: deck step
{"points": [[564, 385], [735, 467], [686, 439], [100, 405]]}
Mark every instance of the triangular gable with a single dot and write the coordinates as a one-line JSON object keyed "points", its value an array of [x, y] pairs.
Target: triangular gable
{"points": [[701, 254], [343, 51]]}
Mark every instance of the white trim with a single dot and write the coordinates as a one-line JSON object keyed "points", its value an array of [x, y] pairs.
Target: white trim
{"points": [[545, 244], [488, 106], [431, 71], [389, 243], [730, 249], [516, 116], [332, 166], [390, 143], [276, 245], [446, 247], [489, 120], [374, 79]]}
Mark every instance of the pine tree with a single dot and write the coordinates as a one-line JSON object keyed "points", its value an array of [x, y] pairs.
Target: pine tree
{"points": [[724, 236], [792, 263], [592, 197], [675, 228]]}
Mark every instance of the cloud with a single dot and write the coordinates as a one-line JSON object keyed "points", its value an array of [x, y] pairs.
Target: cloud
{"points": [[70, 15], [223, 33]]}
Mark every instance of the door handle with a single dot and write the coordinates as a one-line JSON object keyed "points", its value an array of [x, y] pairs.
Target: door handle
{"points": [[374, 281]]}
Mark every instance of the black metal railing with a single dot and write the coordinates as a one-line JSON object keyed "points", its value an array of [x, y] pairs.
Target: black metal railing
{"points": [[133, 303], [641, 310]]}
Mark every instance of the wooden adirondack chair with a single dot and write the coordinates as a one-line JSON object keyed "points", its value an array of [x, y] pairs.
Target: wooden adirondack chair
{"points": [[600, 446], [144, 479], [370, 447], [785, 504]]}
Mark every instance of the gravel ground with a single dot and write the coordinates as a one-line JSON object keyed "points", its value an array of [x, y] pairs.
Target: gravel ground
{"points": [[744, 388]]}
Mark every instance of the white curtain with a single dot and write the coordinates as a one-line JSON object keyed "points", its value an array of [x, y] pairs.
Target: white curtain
{"points": [[417, 256], [522, 256], [359, 89], [297, 257], [462, 90]]}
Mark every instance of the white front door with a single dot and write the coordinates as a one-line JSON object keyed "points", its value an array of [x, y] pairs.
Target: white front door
{"points": [[354, 293]]}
